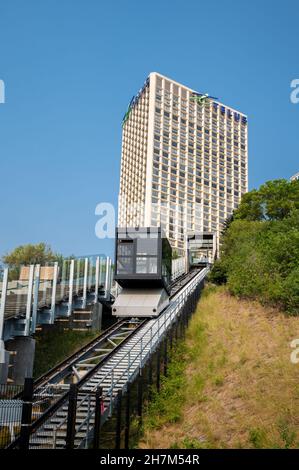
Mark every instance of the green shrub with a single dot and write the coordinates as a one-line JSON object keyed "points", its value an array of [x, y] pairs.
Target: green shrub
{"points": [[260, 248]]}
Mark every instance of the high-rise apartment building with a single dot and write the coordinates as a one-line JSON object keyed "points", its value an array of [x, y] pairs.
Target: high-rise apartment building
{"points": [[184, 160]]}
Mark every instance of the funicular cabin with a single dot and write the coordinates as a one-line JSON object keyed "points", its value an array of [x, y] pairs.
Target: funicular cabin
{"points": [[143, 259], [201, 249]]}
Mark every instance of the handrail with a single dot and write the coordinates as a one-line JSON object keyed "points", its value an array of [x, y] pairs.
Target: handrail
{"points": [[168, 316]]}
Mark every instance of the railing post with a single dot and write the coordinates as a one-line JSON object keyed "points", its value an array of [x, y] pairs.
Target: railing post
{"points": [[129, 364], [97, 418], [111, 393], [71, 417], [127, 422], [26, 414], [53, 297], [140, 396], [107, 276], [158, 368], [35, 298], [96, 287], [165, 355], [141, 351], [3, 302], [71, 288], [100, 271], [29, 301], [85, 283], [78, 276], [90, 274], [63, 279], [171, 336], [118, 419], [150, 378], [176, 330]]}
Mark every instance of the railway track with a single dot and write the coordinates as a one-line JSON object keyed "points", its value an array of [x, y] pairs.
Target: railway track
{"points": [[75, 366], [132, 342]]}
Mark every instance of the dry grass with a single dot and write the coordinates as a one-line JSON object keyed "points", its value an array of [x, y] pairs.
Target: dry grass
{"points": [[241, 390]]}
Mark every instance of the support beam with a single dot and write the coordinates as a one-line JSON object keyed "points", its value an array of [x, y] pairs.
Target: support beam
{"points": [[35, 298], [97, 275], [107, 276], [3, 302], [85, 283], [53, 297], [4, 355], [71, 288], [29, 301], [118, 420]]}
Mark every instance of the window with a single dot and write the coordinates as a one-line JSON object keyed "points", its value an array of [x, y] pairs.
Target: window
{"points": [[125, 252]]}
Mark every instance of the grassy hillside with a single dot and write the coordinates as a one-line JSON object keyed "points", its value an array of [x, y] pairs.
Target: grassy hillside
{"points": [[231, 384]]}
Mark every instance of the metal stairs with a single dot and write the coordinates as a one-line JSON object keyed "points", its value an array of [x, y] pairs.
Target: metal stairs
{"points": [[114, 374]]}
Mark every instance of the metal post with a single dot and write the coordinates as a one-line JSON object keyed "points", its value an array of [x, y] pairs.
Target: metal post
{"points": [[127, 423], [3, 302], [141, 351], [35, 298], [110, 275], [63, 279], [29, 301], [26, 414], [85, 283], [176, 330], [97, 418], [129, 365], [150, 378], [71, 417], [90, 274], [78, 276], [165, 356], [107, 276], [158, 368], [140, 396], [171, 337], [53, 298], [118, 419], [71, 288], [100, 272], [96, 287]]}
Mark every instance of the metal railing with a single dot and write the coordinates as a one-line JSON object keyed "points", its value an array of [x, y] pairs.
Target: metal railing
{"points": [[10, 413], [135, 359], [37, 294]]}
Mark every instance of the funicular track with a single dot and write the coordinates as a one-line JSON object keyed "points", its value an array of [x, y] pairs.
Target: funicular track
{"points": [[112, 373]]}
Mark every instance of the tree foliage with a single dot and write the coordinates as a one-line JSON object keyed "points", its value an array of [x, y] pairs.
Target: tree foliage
{"points": [[24, 255], [275, 200], [260, 248]]}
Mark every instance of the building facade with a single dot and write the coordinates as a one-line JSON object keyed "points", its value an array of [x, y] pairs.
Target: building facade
{"points": [[295, 177], [184, 163]]}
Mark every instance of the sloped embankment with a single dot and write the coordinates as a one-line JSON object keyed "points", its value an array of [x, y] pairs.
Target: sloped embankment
{"points": [[232, 383]]}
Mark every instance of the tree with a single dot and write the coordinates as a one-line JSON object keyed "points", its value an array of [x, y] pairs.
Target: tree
{"points": [[260, 247], [275, 200], [40, 253]]}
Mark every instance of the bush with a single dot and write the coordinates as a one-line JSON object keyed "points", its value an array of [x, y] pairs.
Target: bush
{"points": [[260, 248]]}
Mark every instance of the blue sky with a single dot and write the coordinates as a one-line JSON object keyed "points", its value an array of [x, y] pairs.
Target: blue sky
{"points": [[70, 68]]}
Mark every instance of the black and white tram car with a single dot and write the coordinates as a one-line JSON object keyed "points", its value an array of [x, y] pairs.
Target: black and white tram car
{"points": [[143, 260], [201, 249]]}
